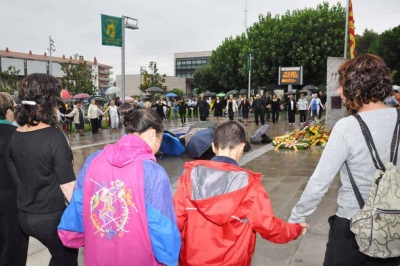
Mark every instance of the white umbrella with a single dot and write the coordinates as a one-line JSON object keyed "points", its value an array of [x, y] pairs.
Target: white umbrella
{"points": [[113, 90]]}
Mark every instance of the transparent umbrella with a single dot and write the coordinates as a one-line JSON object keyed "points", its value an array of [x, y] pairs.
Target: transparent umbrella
{"points": [[113, 90]]}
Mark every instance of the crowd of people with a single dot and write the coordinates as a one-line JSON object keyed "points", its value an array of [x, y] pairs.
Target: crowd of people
{"points": [[120, 207]]}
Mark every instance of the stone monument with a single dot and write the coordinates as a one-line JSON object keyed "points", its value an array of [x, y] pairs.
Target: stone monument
{"points": [[334, 105]]}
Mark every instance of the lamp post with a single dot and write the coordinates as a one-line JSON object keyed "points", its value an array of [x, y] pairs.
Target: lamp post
{"points": [[125, 24], [52, 48], [249, 67], [142, 70]]}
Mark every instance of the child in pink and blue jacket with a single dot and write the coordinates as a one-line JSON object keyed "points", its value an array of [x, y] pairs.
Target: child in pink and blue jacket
{"points": [[122, 210]]}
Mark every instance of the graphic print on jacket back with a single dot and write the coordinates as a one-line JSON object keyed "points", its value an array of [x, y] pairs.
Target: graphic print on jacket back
{"points": [[110, 207]]}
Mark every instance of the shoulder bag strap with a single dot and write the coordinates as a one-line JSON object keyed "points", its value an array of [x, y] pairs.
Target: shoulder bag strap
{"points": [[370, 143], [360, 199], [394, 148]]}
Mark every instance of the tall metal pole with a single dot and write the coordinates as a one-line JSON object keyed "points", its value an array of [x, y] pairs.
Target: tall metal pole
{"points": [[123, 61], [249, 77], [51, 61], [346, 36]]}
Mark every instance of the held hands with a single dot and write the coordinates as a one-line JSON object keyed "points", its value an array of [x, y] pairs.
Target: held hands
{"points": [[305, 226]]}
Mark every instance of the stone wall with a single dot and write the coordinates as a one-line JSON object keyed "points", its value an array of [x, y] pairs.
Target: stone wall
{"points": [[333, 114]]}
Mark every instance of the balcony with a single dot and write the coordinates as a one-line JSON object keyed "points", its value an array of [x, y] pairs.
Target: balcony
{"points": [[105, 79], [106, 71]]}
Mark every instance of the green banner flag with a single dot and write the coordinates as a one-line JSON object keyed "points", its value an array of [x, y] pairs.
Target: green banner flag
{"points": [[111, 31]]}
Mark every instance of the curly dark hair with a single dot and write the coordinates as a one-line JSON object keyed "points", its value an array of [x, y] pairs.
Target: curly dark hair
{"points": [[45, 91], [141, 119], [364, 79], [6, 102]]}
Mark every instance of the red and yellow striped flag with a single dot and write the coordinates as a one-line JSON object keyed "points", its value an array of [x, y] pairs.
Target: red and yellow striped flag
{"points": [[351, 30]]}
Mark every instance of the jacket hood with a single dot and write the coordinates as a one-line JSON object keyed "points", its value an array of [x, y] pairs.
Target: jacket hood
{"points": [[222, 192], [127, 149]]}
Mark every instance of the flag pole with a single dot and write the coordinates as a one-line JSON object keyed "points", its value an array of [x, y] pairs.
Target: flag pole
{"points": [[346, 35]]}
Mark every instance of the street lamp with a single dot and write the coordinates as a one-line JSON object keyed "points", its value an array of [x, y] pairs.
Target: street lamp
{"points": [[132, 26], [52, 48], [249, 68], [142, 70]]}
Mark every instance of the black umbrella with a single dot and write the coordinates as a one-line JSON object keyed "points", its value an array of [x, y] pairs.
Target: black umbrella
{"points": [[243, 91], [200, 142], [209, 94], [232, 92], [290, 93], [143, 98], [154, 89]]}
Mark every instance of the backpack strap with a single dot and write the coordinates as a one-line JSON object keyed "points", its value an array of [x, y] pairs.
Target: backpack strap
{"points": [[394, 148], [357, 192], [370, 144]]}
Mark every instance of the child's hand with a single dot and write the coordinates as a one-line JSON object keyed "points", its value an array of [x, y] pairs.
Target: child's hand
{"points": [[305, 226]]}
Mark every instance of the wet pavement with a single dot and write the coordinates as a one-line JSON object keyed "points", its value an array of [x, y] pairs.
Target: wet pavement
{"points": [[284, 176]]}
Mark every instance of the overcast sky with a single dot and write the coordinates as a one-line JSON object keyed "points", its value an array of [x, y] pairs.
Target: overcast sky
{"points": [[166, 26]]}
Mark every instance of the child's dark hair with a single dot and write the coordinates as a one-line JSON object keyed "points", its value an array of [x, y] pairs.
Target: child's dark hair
{"points": [[141, 119]]}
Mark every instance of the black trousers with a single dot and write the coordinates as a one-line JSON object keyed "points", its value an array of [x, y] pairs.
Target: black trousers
{"points": [[342, 248], [230, 113], [99, 121], [259, 113], [94, 123], [189, 112], [291, 116], [43, 227], [275, 116], [183, 118], [13, 241], [268, 113], [303, 116], [196, 112]]}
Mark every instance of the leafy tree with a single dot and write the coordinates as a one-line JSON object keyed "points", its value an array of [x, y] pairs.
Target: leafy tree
{"points": [[364, 41], [304, 37], [387, 46], [228, 63], [9, 80], [152, 78], [204, 79], [77, 78]]}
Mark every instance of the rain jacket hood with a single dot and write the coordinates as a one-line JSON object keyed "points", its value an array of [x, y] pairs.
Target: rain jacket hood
{"points": [[221, 207], [128, 149]]}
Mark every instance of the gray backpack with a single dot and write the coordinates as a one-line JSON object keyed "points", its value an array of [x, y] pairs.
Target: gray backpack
{"points": [[377, 225]]}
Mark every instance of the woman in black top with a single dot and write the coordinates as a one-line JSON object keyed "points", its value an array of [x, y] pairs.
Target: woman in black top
{"points": [[160, 109], [182, 111], [275, 108], [245, 107], [218, 109], [43, 161], [291, 109], [13, 244]]}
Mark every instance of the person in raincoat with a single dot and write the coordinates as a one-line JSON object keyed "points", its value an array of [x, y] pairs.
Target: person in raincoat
{"points": [[121, 209], [220, 207]]}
